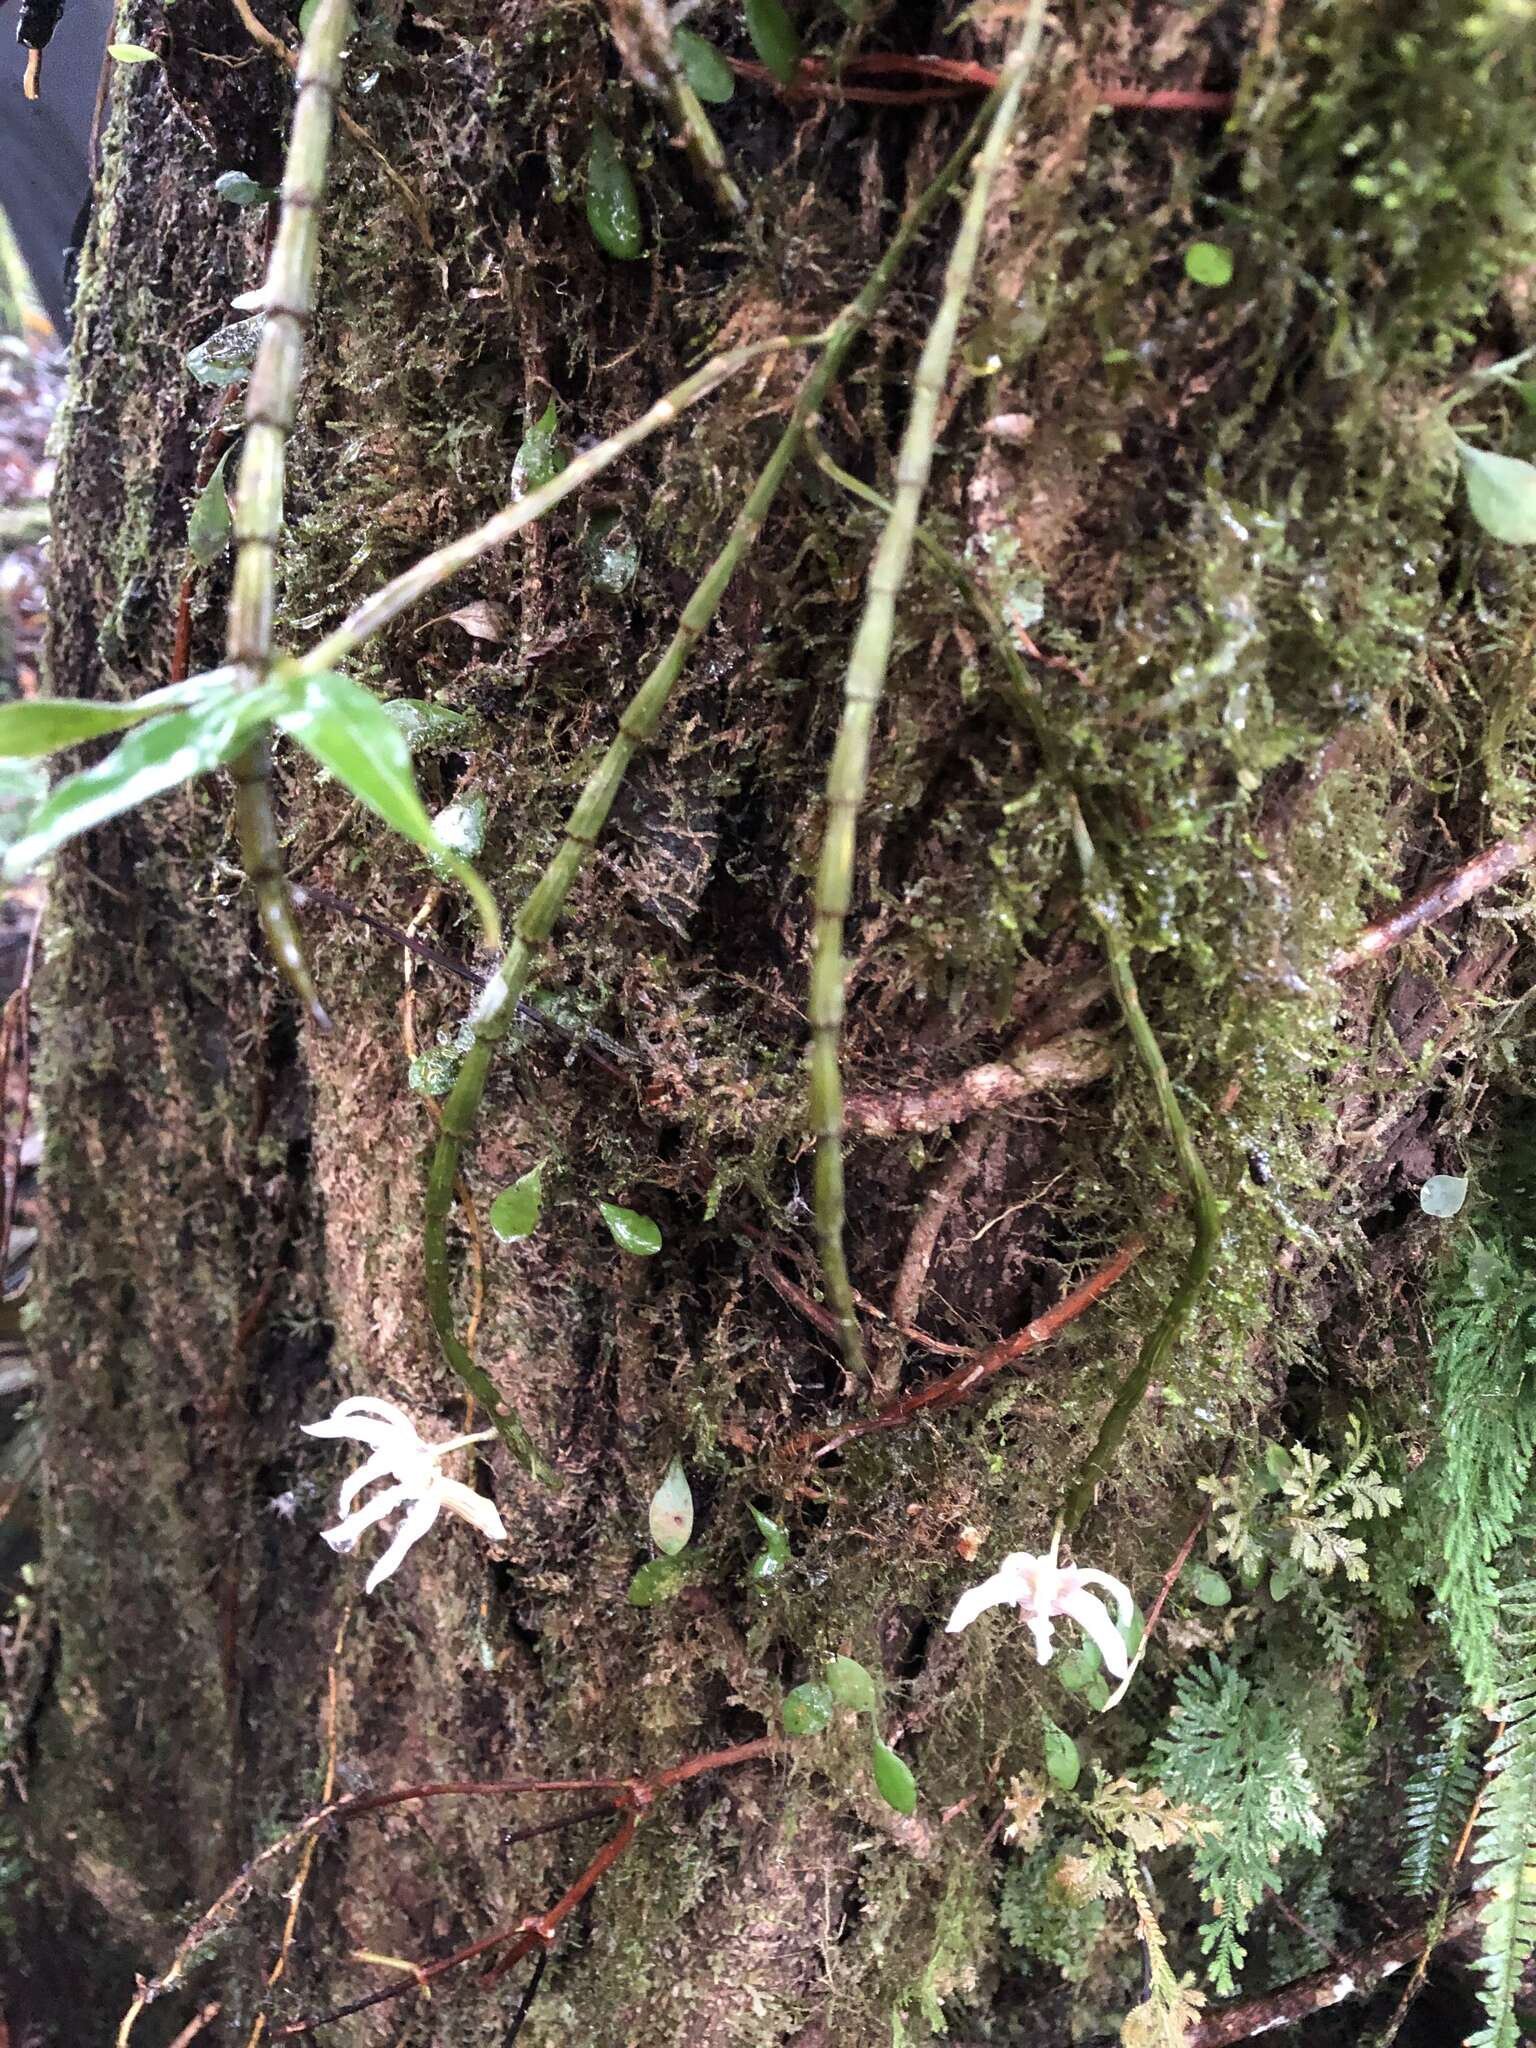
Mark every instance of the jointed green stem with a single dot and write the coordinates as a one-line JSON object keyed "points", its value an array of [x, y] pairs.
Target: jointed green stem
{"points": [[643, 32], [1104, 907], [849, 771], [493, 1013], [287, 301]]}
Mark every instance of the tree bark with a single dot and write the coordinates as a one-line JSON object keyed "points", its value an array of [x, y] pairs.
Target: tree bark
{"points": [[1241, 532]]}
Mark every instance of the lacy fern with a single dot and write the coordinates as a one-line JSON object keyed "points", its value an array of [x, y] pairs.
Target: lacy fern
{"points": [[1506, 1836], [1231, 1752], [1485, 1380]]}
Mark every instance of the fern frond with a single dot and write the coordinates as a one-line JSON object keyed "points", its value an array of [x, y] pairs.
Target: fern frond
{"points": [[1436, 1802], [1485, 1373], [1231, 1750], [1506, 1837]]}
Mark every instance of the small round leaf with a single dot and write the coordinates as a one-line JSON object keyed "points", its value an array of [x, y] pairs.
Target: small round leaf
{"points": [[131, 53], [807, 1709], [672, 1511], [1501, 493], [1208, 1586], [239, 188], [1208, 263], [893, 1781], [706, 70], [1063, 1761], [658, 1581], [1443, 1194], [1080, 1667], [850, 1684], [515, 1211], [774, 38], [631, 1231]]}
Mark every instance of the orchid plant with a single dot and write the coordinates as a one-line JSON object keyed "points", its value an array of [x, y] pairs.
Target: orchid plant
{"points": [[1044, 1589], [421, 1487]]}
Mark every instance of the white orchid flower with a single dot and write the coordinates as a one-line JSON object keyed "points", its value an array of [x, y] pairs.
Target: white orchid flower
{"points": [[420, 1486], [1042, 1589]]}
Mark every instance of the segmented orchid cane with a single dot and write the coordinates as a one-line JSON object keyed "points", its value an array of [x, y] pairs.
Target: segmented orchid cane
{"points": [[270, 405], [493, 1014], [848, 774]]}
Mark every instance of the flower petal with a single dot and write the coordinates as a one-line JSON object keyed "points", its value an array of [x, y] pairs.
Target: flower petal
{"points": [[359, 1428], [369, 1404], [1045, 1638], [473, 1508], [345, 1534], [1125, 1599], [1008, 1585], [379, 1466], [1092, 1617], [416, 1524]]}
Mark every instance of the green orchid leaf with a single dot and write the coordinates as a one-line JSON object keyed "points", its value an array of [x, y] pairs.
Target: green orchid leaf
{"points": [[893, 1781], [154, 757], [515, 1211], [1063, 1761], [348, 731], [423, 724], [209, 527], [540, 458], [774, 38], [773, 1534], [671, 1513], [631, 1231], [613, 204], [1501, 493], [807, 1710], [850, 1684], [704, 67]]}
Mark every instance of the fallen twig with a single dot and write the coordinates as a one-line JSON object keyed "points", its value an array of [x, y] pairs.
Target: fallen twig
{"points": [[633, 1798], [1439, 899], [948, 79], [1357, 1978], [630, 1796], [960, 1385], [1074, 1060]]}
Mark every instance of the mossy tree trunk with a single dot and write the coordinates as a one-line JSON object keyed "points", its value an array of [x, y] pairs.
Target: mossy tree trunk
{"points": [[1293, 680]]}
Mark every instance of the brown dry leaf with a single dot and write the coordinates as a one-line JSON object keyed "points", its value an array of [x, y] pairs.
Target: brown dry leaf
{"points": [[480, 619]]}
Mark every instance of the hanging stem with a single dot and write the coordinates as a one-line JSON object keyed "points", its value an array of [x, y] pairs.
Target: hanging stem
{"points": [[270, 404], [848, 774], [1104, 907], [493, 1013]]}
